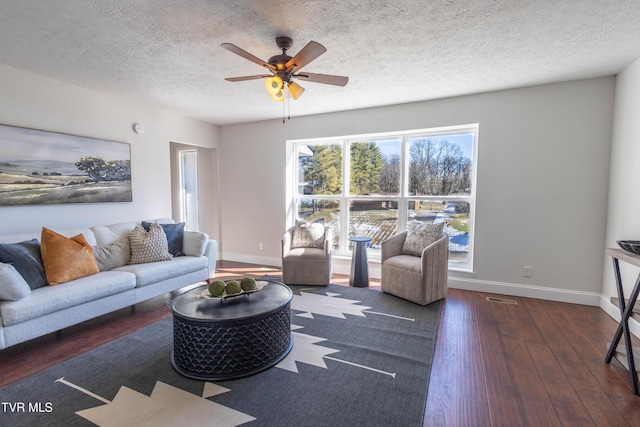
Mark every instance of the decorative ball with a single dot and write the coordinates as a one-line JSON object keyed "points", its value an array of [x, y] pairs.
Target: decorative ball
{"points": [[248, 283], [216, 288], [233, 287]]}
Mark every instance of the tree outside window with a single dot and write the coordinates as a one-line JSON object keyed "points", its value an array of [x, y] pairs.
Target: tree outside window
{"points": [[384, 182]]}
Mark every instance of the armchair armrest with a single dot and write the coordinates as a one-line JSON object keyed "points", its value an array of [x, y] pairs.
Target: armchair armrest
{"points": [[436, 254], [286, 241], [393, 246], [328, 240]]}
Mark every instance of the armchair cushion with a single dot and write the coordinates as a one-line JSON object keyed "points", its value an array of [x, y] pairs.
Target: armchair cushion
{"points": [[306, 253], [421, 235], [406, 262]]}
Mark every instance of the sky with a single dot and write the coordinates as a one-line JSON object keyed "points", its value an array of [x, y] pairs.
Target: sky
{"points": [[463, 140], [28, 144]]}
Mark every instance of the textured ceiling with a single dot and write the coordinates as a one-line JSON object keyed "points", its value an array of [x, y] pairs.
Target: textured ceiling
{"points": [[167, 54]]}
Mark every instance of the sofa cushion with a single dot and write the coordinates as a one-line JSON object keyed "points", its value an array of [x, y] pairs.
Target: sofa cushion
{"points": [[64, 258], [308, 235], [421, 235], [25, 257], [112, 255], [110, 233], [148, 246], [12, 285], [49, 299], [154, 272], [174, 233]]}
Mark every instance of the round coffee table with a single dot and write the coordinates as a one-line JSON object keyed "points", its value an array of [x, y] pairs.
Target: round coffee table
{"points": [[222, 339]]}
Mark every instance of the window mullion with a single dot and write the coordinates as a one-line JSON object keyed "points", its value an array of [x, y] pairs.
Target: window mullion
{"points": [[404, 185], [345, 199]]}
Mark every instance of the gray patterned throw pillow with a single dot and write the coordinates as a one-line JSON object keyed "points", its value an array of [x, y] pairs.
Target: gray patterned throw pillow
{"points": [[112, 255], [148, 246], [420, 236], [307, 235]]}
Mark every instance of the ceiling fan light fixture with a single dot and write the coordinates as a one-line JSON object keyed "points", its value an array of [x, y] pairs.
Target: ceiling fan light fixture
{"points": [[278, 96], [274, 85], [295, 89]]}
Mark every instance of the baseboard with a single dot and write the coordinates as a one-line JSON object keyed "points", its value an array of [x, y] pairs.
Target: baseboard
{"points": [[527, 291], [276, 262]]}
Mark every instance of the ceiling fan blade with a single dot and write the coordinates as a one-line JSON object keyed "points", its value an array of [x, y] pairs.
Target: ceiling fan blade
{"points": [[246, 55], [308, 53], [323, 78], [242, 79]]}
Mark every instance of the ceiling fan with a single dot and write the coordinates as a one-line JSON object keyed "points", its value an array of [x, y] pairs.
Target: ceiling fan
{"points": [[284, 69]]}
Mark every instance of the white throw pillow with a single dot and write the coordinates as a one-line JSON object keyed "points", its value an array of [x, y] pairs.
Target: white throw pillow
{"points": [[12, 285], [195, 243]]}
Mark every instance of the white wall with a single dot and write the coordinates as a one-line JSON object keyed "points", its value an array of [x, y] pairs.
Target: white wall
{"points": [[31, 101], [543, 168], [623, 221]]}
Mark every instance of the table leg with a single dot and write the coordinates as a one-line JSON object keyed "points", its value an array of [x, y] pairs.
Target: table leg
{"points": [[623, 326]]}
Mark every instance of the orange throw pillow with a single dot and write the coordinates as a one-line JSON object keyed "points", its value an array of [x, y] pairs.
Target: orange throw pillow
{"points": [[64, 258]]}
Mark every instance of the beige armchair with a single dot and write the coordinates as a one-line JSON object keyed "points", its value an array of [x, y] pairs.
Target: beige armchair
{"points": [[306, 255], [420, 279]]}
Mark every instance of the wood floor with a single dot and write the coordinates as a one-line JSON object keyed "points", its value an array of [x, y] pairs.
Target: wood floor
{"points": [[535, 363]]}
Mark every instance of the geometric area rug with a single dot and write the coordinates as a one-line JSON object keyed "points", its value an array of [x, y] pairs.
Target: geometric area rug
{"points": [[360, 358]]}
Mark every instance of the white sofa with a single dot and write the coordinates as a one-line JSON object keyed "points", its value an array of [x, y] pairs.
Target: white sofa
{"points": [[51, 308]]}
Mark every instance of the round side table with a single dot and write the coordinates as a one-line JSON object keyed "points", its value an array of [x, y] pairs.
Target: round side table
{"points": [[359, 268]]}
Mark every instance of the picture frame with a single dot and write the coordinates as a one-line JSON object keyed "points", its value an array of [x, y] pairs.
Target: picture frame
{"points": [[44, 168]]}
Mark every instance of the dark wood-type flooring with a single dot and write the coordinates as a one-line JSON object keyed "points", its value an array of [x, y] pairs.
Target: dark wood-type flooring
{"points": [[536, 363]]}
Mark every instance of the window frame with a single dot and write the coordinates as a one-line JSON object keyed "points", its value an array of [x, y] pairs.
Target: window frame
{"points": [[293, 194]]}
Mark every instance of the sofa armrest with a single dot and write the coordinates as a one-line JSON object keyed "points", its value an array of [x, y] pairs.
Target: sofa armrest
{"points": [[211, 252], [436, 253], [393, 246]]}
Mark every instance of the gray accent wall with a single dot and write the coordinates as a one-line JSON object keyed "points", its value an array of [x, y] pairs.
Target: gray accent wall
{"points": [[542, 185]]}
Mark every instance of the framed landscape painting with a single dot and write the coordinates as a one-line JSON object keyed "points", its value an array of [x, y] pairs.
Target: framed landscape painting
{"points": [[45, 168]]}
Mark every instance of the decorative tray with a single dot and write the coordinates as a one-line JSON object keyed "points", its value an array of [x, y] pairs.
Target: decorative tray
{"points": [[632, 246], [206, 295]]}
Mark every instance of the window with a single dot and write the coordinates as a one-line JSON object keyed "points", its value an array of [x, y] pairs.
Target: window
{"points": [[189, 189], [373, 185]]}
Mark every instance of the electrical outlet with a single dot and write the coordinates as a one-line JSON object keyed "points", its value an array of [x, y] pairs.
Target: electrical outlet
{"points": [[528, 271], [261, 246]]}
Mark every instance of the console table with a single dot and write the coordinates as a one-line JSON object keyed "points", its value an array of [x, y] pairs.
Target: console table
{"points": [[625, 357]]}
